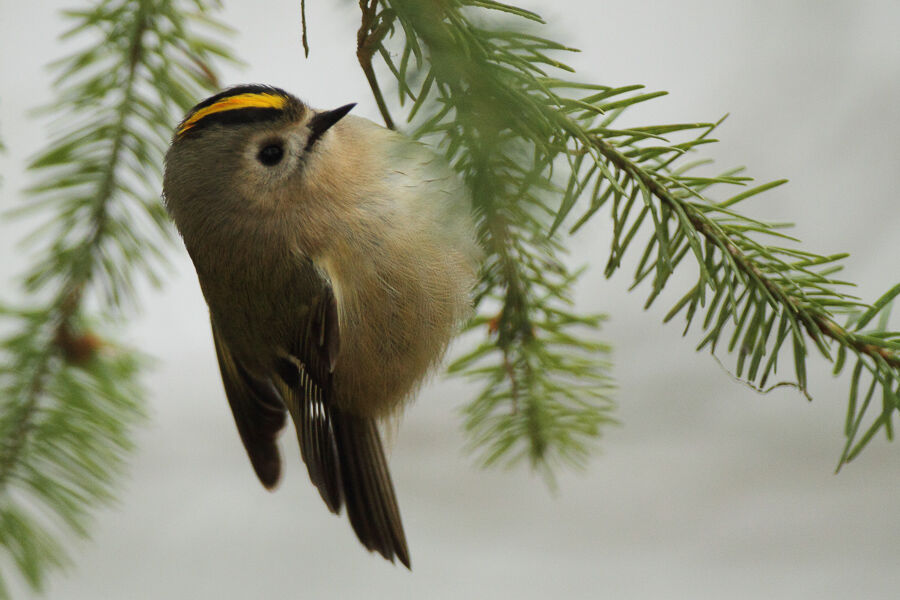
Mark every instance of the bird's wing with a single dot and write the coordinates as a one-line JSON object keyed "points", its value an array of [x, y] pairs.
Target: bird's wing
{"points": [[258, 412], [305, 384], [342, 452]]}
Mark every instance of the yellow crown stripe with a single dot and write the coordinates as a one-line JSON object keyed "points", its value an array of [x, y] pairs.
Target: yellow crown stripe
{"points": [[237, 102]]}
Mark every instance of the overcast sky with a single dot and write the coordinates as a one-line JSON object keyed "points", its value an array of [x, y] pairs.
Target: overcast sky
{"points": [[706, 490]]}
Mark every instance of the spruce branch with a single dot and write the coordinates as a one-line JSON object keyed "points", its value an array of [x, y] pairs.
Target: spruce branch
{"points": [[70, 396], [817, 323], [535, 147]]}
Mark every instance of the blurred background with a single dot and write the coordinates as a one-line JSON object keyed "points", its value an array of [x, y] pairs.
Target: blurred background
{"points": [[706, 490]]}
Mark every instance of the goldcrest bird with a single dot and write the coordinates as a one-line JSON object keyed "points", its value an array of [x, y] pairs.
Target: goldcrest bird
{"points": [[337, 259]]}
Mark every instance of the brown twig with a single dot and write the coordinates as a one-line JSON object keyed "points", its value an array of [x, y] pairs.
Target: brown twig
{"points": [[368, 39], [303, 25]]}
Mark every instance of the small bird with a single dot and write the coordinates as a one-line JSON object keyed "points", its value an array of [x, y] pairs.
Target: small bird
{"points": [[337, 258]]}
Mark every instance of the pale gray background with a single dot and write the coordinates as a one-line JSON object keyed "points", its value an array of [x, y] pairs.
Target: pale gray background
{"points": [[707, 490]]}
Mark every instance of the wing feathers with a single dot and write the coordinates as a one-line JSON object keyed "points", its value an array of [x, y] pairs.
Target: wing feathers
{"points": [[342, 452], [317, 443], [258, 413]]}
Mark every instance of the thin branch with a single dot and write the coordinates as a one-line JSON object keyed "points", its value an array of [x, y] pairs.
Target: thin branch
{"points": [[368, 40], [303, 36], [15, 442]]}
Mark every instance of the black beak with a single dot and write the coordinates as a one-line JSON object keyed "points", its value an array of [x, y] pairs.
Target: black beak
{"points": [[323, 121]]}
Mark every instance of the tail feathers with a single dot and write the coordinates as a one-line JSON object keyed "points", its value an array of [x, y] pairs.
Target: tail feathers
{"points": [[346, 462], [368, 491]]}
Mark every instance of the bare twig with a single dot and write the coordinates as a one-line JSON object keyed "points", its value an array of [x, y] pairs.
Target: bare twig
{"points": [[368, 39], [303, 25]]}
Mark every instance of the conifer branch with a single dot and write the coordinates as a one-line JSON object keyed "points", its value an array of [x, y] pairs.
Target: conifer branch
{"points": [[494, 96], [69, 397], [68, 300], [817, 323]]}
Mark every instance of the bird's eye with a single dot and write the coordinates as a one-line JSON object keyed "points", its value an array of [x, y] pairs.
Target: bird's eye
{"points": [[271, 154]]}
